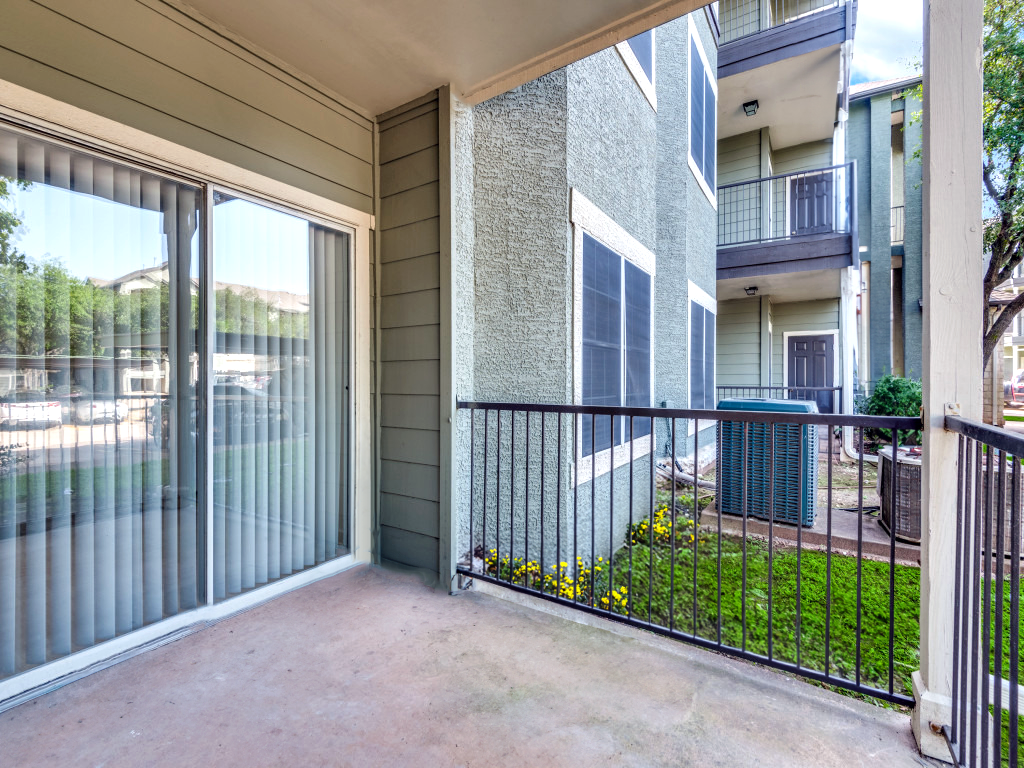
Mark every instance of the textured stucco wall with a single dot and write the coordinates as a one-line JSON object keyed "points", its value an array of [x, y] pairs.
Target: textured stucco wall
{"points": [[587, 127]]}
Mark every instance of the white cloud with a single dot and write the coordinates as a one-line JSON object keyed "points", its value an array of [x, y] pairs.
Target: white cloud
{"points": [[888, 37]]}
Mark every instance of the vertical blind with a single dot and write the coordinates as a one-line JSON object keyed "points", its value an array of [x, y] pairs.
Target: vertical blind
{"points": [[278, 394], [98, 523], [102, 375]]}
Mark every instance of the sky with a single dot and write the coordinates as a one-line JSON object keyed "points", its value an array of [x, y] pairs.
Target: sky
{"points": [[887, 40]]}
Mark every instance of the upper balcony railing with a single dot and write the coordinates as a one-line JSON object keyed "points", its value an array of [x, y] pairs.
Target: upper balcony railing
{"points": [[739, 18], [786, 207]]}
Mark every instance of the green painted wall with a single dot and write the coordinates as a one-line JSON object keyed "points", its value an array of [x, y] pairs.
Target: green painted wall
{"points": [[739, 158], [738, 360]]}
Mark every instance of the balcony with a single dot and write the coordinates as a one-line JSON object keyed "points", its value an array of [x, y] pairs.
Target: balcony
{"points": [[742, 18], [788, 223]]}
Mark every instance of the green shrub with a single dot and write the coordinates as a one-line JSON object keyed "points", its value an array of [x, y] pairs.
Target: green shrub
{"points": [[893, 396]]}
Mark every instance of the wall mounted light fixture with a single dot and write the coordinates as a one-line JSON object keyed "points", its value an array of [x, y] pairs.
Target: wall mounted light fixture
{"points": [[750, 108], [751, 291]]}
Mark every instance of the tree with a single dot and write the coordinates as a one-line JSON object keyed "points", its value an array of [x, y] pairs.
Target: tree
{"points": [[1003, 164]]}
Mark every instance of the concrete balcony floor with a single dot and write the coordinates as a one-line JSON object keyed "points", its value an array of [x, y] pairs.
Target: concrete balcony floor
{"points": [[372, 668]]}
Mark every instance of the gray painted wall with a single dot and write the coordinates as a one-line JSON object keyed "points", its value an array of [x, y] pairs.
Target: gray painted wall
{"points": [[410, 336], [155, 69]]}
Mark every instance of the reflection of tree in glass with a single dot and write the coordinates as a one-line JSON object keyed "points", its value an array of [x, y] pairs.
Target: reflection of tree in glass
{"points": [[242, 310], [10, 222]]}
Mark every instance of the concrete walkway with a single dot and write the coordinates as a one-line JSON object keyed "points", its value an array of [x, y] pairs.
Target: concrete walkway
{"points": [[372, 668]]}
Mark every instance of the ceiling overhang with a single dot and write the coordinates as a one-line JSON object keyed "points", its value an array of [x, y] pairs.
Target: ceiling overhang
{"points": [[793, 286], [379, 55], [796, 98]]}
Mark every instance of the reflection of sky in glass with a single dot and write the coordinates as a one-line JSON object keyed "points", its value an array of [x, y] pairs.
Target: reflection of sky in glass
{"points": [[98, 238], [260, 247], [91, 236]]}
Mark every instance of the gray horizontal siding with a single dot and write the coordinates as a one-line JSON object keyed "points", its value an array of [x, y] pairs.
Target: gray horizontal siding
{"points": [[739, 158], [738, 353], [410, 335], [802, 157], [155, 69]]}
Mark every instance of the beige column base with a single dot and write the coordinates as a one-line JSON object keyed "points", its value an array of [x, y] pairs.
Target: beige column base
{"points": [[931, 712]]}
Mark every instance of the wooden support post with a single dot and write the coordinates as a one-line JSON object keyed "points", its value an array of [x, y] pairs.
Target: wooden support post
{"points": [[952, 328]]}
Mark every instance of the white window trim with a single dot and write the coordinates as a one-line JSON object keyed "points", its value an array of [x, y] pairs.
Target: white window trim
{"points": [[834, 332], [697, 294], [694, 35], [587, 218], [637, 71], [53, 119]]}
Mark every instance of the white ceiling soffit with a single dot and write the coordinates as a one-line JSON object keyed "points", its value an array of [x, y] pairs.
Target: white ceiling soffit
{"points": [[380, 54], [791, 286], [796, 98]]}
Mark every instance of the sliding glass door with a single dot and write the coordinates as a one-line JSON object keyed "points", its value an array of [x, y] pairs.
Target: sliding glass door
{"points": [[119, 330], [279, 405], [98, 514]]}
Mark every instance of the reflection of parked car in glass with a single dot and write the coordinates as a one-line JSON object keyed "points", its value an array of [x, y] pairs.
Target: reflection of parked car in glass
{"points": [[99, 409], [25, 408], [1013, 390]]}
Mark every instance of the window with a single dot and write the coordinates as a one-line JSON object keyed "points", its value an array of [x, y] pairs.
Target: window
{"points": [[116, 322], [616, 342], [702, 349], [703, 106], [638, 54]]}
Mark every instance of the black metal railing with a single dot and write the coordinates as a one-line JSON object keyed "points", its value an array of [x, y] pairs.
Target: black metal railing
{"points": [[829, 399], [775, 560], [896, 226], [740, 18], [786, 206], [986, 729]]}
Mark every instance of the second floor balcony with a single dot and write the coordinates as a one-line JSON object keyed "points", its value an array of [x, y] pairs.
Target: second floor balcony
{"points": [[788, 223]]}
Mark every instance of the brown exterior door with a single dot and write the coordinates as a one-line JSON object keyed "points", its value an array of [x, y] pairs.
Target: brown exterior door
{"points": [[811, 204], [811, 362]]}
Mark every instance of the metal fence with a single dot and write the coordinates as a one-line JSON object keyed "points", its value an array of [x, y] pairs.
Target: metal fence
{"points": [[786, 206], [896, 227], [572, 504], [739, 18], [986, 729], [832, 396]]}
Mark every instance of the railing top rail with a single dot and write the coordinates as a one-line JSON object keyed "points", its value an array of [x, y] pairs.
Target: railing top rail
{"points": [[778, 387], [1002, 439], [810, 172], [754, 417]]}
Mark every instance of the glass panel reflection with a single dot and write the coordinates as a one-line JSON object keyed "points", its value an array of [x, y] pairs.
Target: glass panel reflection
{"points": [[98, 368], [279, 397]]}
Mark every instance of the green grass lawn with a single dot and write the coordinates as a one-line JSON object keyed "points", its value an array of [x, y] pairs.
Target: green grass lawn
{"points": [[695, 610]]}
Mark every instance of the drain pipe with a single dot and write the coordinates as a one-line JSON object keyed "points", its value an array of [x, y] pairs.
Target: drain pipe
{"points": [[851, 452]]}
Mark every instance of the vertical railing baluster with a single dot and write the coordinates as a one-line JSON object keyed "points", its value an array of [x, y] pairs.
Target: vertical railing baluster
{"points": [[986, 601], [696, 516], [576, 453], [671, 542], [1013, 748], [558, 511], [593, 501], [965, 617], [650, 531], [771, 539], [526, 509], [629, 540], [543, 498], [800, 482], [612, 420], [958, 588], [512, 497], [1000, 600], [487, 450], [828, 566], [497, 504], [745, 504], [893, 499], [472, 475], [975, 591], [860, 538]]}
